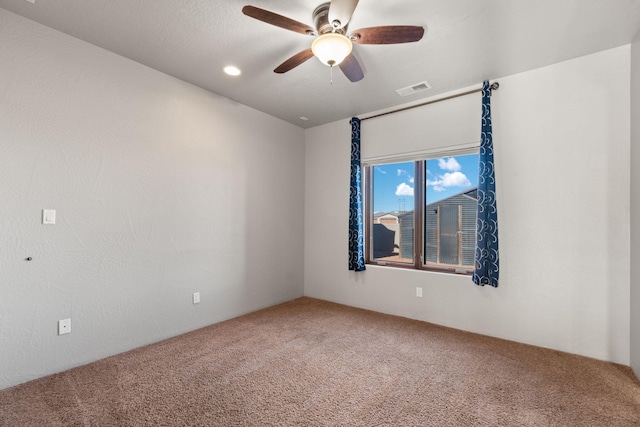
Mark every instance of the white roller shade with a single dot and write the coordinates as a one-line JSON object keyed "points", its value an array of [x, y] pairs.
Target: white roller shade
{"points": [[452, 125]]}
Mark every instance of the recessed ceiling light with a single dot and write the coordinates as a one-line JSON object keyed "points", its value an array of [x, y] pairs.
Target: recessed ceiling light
{"points": [[232, 71], [303, 118]]}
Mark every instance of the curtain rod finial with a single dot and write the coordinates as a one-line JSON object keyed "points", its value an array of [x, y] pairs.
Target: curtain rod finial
{"points": [[494, 86]]}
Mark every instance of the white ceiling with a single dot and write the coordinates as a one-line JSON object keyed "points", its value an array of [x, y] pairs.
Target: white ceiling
{"points": [[466, 42]]}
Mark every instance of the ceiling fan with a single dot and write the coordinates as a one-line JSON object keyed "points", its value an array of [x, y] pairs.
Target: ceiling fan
{"points": [[333, 42]]}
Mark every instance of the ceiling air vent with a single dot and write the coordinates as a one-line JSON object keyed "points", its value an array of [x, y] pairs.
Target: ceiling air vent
{"points": [[410, 90]]}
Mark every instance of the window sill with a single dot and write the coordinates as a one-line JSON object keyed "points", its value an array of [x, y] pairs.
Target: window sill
{"points": [[454, 271]]}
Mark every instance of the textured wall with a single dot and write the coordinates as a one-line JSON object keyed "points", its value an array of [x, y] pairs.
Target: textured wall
{"points": [[161, 190], [635, 206], [561, 137]]}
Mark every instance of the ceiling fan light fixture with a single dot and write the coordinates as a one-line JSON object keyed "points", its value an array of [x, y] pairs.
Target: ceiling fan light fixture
{"points": [[331, 48]]}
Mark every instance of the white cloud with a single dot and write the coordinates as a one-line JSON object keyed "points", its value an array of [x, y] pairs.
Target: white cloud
{"points": [[383, 172], [450, 164], [411, 180], [436, 184], [404, 190], [401, 172], [455, 179]]}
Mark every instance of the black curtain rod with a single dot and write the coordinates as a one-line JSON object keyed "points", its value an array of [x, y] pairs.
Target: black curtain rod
{"points": [[494, 86]]}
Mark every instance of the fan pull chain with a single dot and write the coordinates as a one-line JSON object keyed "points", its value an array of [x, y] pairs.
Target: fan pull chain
{"points": [[331, 74]]}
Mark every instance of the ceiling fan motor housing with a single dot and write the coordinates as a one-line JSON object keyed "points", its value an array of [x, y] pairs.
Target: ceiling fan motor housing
{"points": [[321, 21]]}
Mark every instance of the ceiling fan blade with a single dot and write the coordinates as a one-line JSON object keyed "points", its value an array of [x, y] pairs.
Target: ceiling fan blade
{"points": [[351, 68], [340, 12], [294, 61], [277, 20], [388, 35]]}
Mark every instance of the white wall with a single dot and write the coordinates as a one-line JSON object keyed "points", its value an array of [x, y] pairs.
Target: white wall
{"points": [[635, 205], [161, 190], [561, 138]]}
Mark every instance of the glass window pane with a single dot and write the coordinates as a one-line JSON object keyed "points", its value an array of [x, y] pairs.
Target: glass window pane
{"points": [[392, 223], [450, 211]]}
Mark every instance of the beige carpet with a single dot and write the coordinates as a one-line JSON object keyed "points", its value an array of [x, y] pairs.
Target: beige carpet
{"points": [[310, 362]]}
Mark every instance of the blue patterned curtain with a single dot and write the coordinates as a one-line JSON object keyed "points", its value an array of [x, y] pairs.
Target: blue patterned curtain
{"points": [[356, 235], [487, 265]]}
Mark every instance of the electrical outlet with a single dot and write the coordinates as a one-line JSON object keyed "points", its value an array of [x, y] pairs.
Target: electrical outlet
{"points": [[419, 292], [196, 297], [64, 326], [48, 216]]}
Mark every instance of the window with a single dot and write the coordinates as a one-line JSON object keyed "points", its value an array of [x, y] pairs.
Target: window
{"points": [[422, 214]]}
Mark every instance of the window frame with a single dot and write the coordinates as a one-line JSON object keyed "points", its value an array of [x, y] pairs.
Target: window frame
{"points": [[418, 212]]}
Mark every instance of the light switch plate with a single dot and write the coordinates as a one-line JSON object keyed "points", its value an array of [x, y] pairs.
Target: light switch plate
{"points": [[48, 216]]}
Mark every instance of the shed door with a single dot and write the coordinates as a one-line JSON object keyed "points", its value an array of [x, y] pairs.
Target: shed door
{"points": [[449, 232]]}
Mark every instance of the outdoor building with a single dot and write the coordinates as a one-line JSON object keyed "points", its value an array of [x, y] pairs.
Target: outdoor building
{"points": [[450, 232], [450, 229]]}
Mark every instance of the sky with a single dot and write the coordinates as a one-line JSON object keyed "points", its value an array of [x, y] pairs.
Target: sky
{"points": [[393, 184]]}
